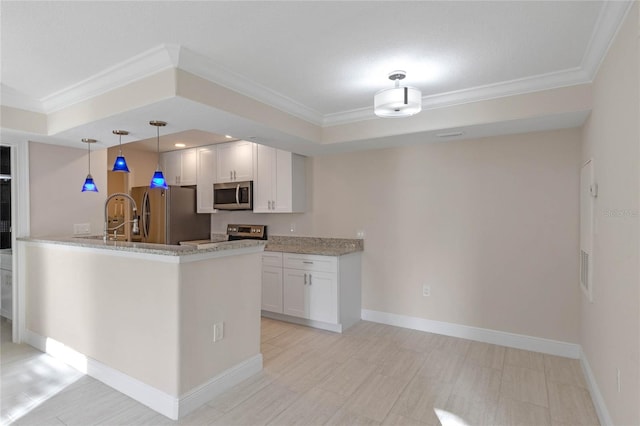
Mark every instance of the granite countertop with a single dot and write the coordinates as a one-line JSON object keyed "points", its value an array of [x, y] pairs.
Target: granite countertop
{"points": [[159, 249], [312, 245]]}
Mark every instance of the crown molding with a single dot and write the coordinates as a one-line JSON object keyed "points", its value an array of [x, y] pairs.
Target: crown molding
{"points": [[570, 77], [208, 69], [15, 99], [140, 66], [607, 26]]}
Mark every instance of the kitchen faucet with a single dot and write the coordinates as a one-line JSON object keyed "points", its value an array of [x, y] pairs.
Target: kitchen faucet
{"points": [[135, 229]]}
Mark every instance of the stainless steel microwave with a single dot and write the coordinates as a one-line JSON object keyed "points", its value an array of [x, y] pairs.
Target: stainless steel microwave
{"points": [[233, 196]]}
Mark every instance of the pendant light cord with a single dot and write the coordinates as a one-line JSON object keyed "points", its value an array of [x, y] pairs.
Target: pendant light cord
{"points": [[89, 156], [158, 144]]}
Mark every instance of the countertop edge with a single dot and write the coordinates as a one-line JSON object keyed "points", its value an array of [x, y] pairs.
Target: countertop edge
{"points": [[325, 251], [177, 253]]}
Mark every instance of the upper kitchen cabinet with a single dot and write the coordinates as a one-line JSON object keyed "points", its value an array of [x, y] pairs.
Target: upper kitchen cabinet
{"points": [[180, 167], [235, 161], [207, 164], [279, 185]]}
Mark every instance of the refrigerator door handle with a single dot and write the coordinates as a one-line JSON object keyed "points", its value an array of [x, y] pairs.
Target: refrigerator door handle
{"points": [[146, 213], [238, 194]]}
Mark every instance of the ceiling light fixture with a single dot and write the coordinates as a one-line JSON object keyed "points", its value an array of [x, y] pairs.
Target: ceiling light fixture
{"points": [[179, 145], [89, 185], [397, 101], [228, 136], [158, 181], [121, 164]]}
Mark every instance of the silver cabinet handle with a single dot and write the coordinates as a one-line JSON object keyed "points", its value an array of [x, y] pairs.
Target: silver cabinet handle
{"points": [[234, 175], [305, 279], [230, 175], [310, 283], [308, 262]]}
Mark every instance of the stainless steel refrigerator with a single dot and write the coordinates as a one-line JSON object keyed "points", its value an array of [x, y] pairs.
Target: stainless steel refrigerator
{"points": [[169, 216]]}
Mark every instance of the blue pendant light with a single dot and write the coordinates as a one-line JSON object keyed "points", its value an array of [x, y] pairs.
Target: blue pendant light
{"points": [[121, 164], [89, 185], [157, 181]]}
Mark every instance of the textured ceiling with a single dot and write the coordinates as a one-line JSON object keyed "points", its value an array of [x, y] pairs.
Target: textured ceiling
{"points": [[328, 56]]}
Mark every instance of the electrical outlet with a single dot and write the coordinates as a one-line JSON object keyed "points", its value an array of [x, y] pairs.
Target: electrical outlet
{"points": [[292, 228], [360, 234], [81, 228], [426, 290], [218, 331]]}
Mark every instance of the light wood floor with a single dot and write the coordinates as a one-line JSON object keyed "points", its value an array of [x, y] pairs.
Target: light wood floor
{"points": [[372, 374]]}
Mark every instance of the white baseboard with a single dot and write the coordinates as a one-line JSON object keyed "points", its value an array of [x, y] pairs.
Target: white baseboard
{"points": [[596, 396], [165, 404], [519, 341], [199, 396], [336, 328]]}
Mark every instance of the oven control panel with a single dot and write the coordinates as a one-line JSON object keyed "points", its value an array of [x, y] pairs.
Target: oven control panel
{"points": [[253, 232]]}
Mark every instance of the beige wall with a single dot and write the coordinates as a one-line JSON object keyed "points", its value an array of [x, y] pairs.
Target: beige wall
{"points": [[491, 224], [123, 312], [150, 319], [56, 175], [610, 326]]}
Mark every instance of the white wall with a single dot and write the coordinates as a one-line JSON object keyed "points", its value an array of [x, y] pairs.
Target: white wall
{"points": [[610, 326], [491, 224], [56, 175]]}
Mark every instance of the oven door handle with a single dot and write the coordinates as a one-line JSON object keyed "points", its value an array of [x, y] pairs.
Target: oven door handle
{"points": [[238, 194]]}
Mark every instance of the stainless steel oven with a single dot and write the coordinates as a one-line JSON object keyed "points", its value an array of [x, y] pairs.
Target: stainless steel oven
{"points": [[233, 196]]}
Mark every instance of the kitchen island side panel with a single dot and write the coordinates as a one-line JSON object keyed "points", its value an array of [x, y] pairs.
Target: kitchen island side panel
{"points": [[224, 291], [120, 311]]}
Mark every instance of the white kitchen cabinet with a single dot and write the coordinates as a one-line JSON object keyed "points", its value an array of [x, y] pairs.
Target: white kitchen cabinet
{"points": [[235, 161], [279, 185], [319, 291], [272, 282], [6, 286], [179, 167], [206, 177]]}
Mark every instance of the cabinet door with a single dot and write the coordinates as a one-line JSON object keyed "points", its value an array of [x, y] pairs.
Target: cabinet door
{"points": [[263, 182], [243, 160], [295, 293], [282, 182], [6, 294], [226, 164], [171, 165], [235, 161], [188, 167], [206, 174], [272, 289], [323, 296]]}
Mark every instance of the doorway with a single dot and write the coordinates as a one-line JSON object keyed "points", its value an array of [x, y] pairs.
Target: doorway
{"points": [[6, 255]]}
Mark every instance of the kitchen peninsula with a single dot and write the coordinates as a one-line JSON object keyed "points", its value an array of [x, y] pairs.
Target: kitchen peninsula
{"points": [[170, 326]]}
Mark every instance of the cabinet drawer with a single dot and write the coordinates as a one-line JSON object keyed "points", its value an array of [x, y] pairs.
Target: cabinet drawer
{"points": [[309, 262], [272, 259]]}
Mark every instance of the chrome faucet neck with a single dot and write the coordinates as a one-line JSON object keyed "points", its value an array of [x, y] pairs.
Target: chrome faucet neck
{"points": [[134, 208]]}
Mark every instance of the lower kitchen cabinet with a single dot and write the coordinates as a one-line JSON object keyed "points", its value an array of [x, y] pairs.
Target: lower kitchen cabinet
{"points": [[272, 282], [6, 286], [319, 291], [311, 294]]}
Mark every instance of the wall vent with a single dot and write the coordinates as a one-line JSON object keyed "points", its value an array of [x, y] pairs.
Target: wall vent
{"points": [[584, 271]]}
